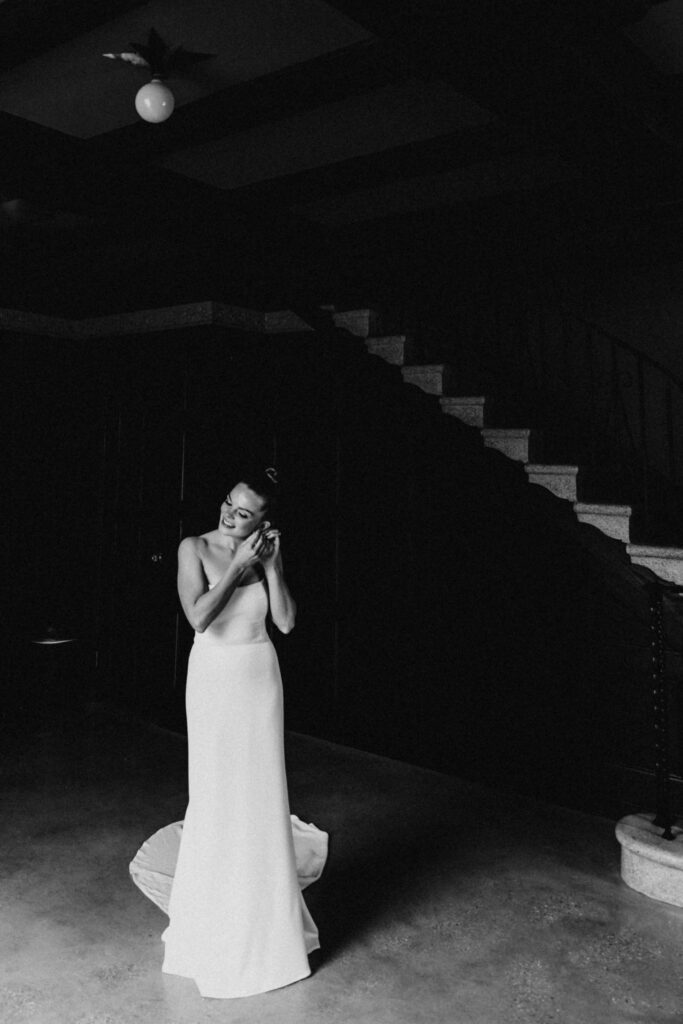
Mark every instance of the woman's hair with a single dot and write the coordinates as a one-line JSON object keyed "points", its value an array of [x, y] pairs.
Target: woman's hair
{"points": [[263, 481]]}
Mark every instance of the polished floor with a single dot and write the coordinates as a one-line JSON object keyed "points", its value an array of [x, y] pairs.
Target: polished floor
{"points": [[442, 902]]}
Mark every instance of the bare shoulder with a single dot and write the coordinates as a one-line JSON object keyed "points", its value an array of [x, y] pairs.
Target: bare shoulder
{"points": [[191, 546], [208, 538]]}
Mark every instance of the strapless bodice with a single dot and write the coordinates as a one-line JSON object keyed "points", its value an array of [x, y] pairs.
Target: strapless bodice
{"points": [[243, 620]]}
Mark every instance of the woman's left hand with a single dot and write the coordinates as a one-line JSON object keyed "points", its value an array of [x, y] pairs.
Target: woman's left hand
{"points": [[271, 555]]}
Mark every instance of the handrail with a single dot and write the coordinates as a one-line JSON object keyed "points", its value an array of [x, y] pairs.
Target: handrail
{"points": [[601, 401], [643, 433], [638, 353]]}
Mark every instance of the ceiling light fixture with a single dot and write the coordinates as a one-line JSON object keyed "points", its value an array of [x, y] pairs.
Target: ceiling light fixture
{"points": [[154, 102]]}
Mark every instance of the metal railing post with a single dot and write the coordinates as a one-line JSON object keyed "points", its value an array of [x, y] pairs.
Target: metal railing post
{"points": [[664, 818]]}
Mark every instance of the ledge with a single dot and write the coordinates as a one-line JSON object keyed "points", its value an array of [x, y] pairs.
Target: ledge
{"points": [[195, 314], [650, 864], [192, 314], [584, 508]]}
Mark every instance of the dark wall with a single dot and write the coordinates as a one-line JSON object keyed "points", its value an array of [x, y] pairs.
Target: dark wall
{"points": [[53, 488], [449, 614]]}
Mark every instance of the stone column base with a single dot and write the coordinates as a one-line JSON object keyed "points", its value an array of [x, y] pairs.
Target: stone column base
{"points": [[650, 864]]}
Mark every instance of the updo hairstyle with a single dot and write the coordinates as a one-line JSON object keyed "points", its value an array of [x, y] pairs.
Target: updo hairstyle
{"points": [[262, 481]]}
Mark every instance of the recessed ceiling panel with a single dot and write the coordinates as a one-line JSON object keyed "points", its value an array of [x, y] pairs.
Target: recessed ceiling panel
{"points": [[513, 173], [387, 117], [660, 35], [73, 89]]}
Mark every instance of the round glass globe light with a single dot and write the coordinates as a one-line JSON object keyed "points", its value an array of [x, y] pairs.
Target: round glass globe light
{"points": [[155, 102]]}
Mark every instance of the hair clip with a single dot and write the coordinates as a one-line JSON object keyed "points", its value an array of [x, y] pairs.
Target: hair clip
{"points": [[271, 473]]}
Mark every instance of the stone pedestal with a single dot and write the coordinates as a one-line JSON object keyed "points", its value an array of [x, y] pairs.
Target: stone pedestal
{"points": [[650, 864]]}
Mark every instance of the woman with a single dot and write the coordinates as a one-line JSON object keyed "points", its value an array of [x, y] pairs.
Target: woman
{"points": [[238, 922]]}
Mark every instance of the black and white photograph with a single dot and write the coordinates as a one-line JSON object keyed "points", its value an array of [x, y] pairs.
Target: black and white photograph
{"points": [[342, 406]]}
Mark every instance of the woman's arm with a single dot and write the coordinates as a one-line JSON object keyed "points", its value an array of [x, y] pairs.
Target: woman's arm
{"points": [[201, 606], [282, 604]]}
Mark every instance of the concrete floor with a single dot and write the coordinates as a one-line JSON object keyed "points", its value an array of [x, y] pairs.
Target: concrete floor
{"points": [[441, 901]]}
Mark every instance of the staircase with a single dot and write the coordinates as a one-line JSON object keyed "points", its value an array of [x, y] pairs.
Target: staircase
{"points": [[524, 445], [598, 529]]}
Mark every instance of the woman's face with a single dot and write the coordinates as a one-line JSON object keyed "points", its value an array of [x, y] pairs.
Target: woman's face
{"points": [[241, 512]]}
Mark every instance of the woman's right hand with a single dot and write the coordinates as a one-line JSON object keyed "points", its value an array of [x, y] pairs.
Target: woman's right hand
{"points": [[252, 547]]}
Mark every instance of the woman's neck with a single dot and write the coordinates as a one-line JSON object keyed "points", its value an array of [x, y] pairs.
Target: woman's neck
{"points": [[229, 544]]}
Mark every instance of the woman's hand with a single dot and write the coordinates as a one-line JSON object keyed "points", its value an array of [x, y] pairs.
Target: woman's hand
{"points": [[271, 555], [282, 604], [252, 548]]}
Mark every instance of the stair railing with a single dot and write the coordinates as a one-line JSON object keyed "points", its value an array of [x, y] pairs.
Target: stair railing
{"points": [[665, 735], [650, 418], [599, 400]]}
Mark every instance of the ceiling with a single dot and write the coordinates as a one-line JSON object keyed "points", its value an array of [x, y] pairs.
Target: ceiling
{"points": [[327, 150], [71, 88]]}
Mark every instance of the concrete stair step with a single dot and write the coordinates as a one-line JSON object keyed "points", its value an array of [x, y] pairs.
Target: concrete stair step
{"points": [[469, 409], [521, 445], [362, 322], [667, 563], [517, 444], [434, 379], [397, 349], [612, 520], [559, 480]]}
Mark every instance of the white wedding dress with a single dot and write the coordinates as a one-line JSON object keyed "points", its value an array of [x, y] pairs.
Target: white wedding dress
{"points": [[230, 876]]}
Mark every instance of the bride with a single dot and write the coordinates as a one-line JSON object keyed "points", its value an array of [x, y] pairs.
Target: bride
{"points": [[230, 876]]}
